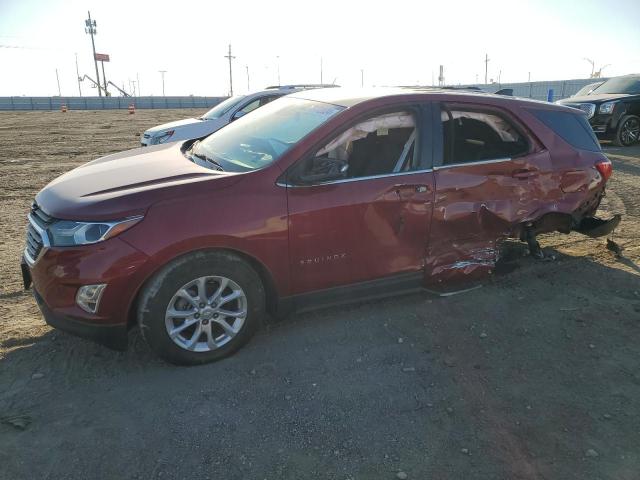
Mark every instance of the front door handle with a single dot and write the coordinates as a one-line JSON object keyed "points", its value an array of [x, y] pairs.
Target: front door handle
{"points": [[421, 188]]}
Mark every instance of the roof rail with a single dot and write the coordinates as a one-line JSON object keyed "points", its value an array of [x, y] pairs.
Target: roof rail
{"points": [[301, 86]]}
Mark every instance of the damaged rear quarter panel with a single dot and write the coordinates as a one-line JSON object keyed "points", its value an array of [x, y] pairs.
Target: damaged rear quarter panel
{"points": [[478, 205]]}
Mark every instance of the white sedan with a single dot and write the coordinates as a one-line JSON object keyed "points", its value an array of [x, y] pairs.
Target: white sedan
{"points": [[219, 116]]}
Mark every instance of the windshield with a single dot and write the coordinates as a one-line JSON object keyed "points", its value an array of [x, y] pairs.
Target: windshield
{"points": [[223, 107], [257, 140], [629, 85], [586, 90]]}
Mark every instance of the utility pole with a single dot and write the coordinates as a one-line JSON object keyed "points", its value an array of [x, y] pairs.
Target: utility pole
{"points": [[90, 28], [230, 57], [78, 76], [361, 77], [247, 69], [134, 88], [162, 72], [278, 66], [58, 80], [321, 71], [138, 78], [499, 77], [486, 67]]}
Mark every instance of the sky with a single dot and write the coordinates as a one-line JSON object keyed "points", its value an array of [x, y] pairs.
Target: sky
{"points": [[385, 43]]}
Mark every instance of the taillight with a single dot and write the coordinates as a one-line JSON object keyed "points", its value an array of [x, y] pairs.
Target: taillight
{"points": [[605, 168]]}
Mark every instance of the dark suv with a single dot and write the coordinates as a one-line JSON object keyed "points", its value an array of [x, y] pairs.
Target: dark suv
{"points": [[322, 197], [613, 109]]}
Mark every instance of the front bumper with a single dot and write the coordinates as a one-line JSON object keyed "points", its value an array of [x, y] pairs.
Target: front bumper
{"points": [[602, 126], [111, 336], [595, 227], [60, 272]]}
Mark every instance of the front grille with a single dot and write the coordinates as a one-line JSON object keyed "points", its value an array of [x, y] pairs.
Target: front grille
{"points": [[36, 234], [146, 135], [588, 108]]}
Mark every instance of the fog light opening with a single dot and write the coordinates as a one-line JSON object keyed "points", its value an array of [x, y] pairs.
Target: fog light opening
{"points": [[88, 297]]}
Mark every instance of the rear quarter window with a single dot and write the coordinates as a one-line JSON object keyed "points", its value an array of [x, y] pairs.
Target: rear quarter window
{"points": [[571, 127]]}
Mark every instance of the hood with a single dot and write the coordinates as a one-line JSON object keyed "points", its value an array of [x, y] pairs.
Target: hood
{"points": [[173, 125], [127, 183], [192, 127], [594, 98]]}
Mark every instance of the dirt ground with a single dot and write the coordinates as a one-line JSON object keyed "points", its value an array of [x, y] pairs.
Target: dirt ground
{"points": [[536, 375]]}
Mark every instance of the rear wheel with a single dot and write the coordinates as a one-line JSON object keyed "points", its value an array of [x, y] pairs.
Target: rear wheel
{"points": [[201, 308], [628, 131]]}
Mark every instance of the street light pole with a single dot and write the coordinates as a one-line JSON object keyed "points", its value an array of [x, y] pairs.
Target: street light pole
{"points": [[162, 72], [78, 76], [486, 67], [58, 80]]}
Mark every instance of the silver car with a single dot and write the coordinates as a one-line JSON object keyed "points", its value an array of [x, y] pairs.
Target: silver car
{"points": [[222, 114]]}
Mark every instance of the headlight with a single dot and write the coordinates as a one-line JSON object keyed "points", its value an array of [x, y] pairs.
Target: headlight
{"points": [[607, 107], [66, 233], [163, 137]]}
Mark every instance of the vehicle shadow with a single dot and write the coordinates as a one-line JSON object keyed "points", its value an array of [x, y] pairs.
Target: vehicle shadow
{"points": [[526, 374]]}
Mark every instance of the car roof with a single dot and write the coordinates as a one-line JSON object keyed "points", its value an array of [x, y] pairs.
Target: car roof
{"points": [[288, 89], [347, 97]]}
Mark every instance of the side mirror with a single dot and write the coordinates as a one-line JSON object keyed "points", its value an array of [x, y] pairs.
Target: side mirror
{"points": [[238, 114]]}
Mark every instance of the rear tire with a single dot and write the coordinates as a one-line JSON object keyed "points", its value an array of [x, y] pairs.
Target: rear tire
{"points": [[628, 131], [201, 307]]}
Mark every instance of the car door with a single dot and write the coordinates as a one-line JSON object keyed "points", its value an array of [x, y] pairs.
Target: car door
{"points": [[490, 177], [371, 220]]}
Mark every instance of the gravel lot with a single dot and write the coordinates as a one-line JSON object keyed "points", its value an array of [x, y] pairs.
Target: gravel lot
{"points": [[534, 376]]}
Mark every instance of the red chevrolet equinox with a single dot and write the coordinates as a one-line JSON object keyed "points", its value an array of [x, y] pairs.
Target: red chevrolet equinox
{"points": [[318, 198]]}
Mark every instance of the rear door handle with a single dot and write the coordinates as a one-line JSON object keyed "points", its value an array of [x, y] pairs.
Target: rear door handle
{"points": [[416, 188], [523, 173]]}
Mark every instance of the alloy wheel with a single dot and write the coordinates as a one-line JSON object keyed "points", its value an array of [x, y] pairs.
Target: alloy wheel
{"points": [[630, 132], [206, 313]]}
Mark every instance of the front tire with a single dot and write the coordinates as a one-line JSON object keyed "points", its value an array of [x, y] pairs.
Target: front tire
{"points": [[628, 131], [201, 307]]}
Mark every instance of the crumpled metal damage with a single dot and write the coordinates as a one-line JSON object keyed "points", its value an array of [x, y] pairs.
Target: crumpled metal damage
{"points": [[481, 205]]}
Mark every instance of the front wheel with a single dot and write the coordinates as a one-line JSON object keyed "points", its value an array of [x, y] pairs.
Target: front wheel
{"points": [[628, 131], [201, 307]]}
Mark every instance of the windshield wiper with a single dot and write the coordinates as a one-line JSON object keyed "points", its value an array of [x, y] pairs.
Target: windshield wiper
{"points": [[201, 156], [209, 160]]}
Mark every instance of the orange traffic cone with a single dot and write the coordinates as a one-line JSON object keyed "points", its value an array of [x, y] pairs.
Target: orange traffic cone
{"points": [[63, 108], [132, 109]]}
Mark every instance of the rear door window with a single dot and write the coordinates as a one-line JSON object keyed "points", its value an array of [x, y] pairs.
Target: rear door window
{"points": [[571, 127], [475, 134]]}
